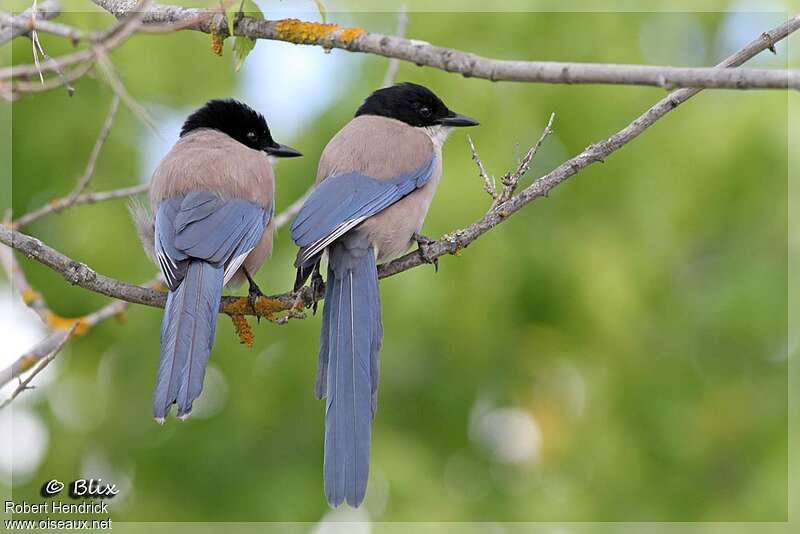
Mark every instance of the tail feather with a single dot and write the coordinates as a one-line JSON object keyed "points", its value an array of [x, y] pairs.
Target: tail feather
{"points": [[375, 349], [331, 301], [350, 319], [187, 334]]}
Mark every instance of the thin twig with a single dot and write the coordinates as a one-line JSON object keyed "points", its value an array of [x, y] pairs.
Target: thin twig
{"points": [[29, 19], [394, 63], [102, 43], [115, 82], [88, 174], [55, 205], [289, 213], [21, 88], [489, 184], [510, 180], [24, 384], [16, 276], [80, 325]]}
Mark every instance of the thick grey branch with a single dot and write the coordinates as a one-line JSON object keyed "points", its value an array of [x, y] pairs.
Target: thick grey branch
{"points": [[451, 60]]}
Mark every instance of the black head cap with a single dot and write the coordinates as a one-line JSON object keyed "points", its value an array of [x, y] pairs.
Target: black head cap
{"points": [[413, 104], [239, 121]]}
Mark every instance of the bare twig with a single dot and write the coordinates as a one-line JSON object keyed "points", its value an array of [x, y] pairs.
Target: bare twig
{"points": [[471, 65], [510, 180], [61, 204], [30, 297], [101, 44], [489, 184], [30, 19], [44, 362], [21, 88], [77, 327], [57, 204], [289, 213], [115, 82], [394, 63], [88, 174]]}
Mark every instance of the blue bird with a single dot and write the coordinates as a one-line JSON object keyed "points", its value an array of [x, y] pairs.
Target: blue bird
{"points": [[213, 199], [375, 182]]}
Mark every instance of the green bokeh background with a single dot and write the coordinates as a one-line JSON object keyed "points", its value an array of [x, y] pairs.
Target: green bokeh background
{"points": [[638, 314]]}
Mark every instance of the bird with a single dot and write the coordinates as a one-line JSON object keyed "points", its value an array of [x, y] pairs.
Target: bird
{"points": [[375, 182], [209, 225]]}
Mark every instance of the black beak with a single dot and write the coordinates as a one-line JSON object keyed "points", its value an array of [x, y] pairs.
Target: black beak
{"points": [[457, 119], [282, 151]]}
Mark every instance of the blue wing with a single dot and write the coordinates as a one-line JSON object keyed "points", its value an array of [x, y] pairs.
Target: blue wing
{"points": [[201, 225], [344, 200]]}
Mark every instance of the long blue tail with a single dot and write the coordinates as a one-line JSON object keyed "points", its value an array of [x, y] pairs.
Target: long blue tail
{"points": [[349, 352], [187, 334]]}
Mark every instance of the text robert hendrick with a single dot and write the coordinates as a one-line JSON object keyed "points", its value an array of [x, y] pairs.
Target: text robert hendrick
{"points": [[56, 507]]}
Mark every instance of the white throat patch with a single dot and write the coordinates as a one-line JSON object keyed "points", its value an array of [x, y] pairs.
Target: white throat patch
{"points": [[438, 134]]}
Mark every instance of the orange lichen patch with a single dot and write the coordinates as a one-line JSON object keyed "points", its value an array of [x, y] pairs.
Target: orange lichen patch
{"points": [[265, 307], [243, 330], [55, 203], [158, 286], [302, 32], [56, 322], [217, 42], [29, 296], [458, 250], [349, 34], [26, 362], [121, 316]]}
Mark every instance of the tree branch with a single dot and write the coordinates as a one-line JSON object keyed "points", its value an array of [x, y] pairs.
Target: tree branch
{"points": [[30, 19], [80, 274], [394, 63], [55, 206], [420, 53], [62, 338]]}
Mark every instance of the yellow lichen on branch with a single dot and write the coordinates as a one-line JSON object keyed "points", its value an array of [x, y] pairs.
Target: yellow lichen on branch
{"points": [[29, 296], [243, 330], [302, 32], [265, 307], [217, 42], [56, 322], [26, 362]]}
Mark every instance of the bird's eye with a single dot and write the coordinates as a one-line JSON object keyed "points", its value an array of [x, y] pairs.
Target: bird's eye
{"points": [[252, 136], [425, 111]]}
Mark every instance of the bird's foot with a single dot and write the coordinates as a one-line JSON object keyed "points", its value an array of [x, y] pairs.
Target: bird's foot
{"points": [[424, 243], [316, 283], [252, 295]]}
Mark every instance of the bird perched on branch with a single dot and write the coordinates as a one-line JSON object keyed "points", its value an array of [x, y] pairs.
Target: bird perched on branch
{"points": [[213, 199], [375, 182]]}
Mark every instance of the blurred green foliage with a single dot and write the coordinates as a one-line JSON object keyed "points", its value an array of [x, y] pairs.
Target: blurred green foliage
{"points": [[638, 314]]}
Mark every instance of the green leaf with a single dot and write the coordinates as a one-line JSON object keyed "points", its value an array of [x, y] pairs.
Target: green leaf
{"points": [[242, 46], [322, 11]]}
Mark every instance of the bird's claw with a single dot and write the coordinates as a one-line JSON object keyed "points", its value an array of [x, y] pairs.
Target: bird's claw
{"points": [[316, 283], [423, 243], [252, 295]]}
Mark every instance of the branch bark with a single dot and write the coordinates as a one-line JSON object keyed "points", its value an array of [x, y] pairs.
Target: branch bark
{"points": [[421, 53], [453, 243], [22, 24]]}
